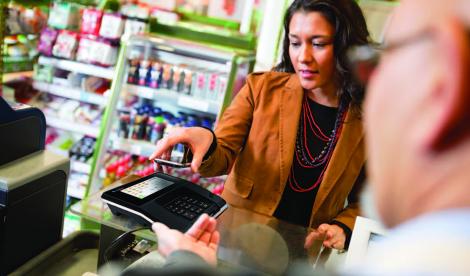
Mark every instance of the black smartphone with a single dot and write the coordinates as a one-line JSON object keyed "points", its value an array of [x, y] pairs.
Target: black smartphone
{"points": [[175, 162], [182, 161]]}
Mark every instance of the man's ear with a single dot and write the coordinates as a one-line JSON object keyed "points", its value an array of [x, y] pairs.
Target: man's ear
{"points": [[454, 96]]}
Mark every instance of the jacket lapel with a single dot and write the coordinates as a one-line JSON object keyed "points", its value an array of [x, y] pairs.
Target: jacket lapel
{"points": [[351, 136], [289, 114]]}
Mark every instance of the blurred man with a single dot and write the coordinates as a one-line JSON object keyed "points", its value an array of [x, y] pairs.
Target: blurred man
{"points": [[417, 117]]}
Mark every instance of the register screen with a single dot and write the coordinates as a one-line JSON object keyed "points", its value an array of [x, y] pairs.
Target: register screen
{"points": [[146, 188]]}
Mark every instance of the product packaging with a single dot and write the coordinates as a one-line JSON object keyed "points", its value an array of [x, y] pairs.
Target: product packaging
{"points": [[91, 21], [104, 52], [85, 48], [47, 40], [64, 15], [112, 26], [65, 44]]}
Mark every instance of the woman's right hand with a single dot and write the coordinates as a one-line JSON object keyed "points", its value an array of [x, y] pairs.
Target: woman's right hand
{"points": [[198, 139]]}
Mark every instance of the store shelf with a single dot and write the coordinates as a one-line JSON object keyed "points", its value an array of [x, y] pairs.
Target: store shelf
{"points": [[72, 126], [78, 67], [71, 93], [172, 97], [136, 147]]}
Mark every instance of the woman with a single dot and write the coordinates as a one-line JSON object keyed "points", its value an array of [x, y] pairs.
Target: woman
{"points": [[291, 142]]}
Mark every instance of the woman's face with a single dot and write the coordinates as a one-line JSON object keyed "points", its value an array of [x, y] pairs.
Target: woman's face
{"points": [[311, 50]]}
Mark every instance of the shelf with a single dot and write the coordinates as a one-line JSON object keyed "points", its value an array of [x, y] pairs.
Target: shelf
{"points": [[204, 33], [172, 97], [136, 147], [78, 67], [71, 93], [72, 126]]}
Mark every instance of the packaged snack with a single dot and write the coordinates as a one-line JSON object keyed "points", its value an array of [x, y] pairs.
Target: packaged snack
{"points": [[65, 45], [47, 40], [85, 48], [112, 25], [91, 21], [104, 52], [64, 15]]}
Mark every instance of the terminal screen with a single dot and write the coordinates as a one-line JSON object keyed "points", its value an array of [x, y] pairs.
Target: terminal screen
{"points": [[147, 187]]}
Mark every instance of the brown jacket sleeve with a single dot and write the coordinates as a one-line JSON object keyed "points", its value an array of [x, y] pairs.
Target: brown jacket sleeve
{"points": [[233, 129]]}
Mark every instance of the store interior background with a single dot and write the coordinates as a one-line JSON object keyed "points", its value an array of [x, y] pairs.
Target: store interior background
{"points": [[112, 77]]}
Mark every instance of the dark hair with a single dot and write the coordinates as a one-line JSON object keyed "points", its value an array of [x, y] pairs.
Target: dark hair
{"points": [[350, 29]]}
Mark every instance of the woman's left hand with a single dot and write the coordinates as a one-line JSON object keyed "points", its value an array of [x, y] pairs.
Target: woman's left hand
{"points": [[332, 235]]}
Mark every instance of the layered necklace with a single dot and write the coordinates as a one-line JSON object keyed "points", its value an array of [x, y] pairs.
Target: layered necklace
{"points": [[304, 155]]}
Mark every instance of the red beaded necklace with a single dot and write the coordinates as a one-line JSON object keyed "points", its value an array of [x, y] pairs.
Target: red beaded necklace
{"points": [[303, 154]]}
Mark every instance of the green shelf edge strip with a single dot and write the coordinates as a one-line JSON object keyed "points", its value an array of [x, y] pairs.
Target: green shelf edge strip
{"points": [[228, 24], [228, 39]]}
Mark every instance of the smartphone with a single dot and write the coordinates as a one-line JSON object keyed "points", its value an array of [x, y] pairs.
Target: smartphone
{"points": [[182, 161], [175, 162]]}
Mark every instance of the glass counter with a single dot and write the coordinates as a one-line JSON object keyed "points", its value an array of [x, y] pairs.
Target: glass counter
{"points": [[248, 239]]}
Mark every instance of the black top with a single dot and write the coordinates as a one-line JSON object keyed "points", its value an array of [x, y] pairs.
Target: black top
{"points": [[296, 207]]}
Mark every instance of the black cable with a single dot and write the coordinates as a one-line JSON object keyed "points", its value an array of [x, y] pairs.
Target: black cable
{"points": [[119, 238]]}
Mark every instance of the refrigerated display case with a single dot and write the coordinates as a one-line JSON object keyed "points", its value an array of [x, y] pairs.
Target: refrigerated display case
{"points": [[159, 83]]}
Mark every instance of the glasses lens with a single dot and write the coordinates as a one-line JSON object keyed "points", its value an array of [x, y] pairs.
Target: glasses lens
{"points": [[363, 60]]}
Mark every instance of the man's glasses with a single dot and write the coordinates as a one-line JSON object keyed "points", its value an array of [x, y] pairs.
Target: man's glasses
{"points": [[365, 58]]}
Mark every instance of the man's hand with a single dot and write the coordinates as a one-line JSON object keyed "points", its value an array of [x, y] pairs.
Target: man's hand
{"points": [[202, 239], [332, 235]]}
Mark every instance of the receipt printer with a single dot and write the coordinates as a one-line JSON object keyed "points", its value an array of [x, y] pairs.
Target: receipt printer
{"points": [[32, 187]]}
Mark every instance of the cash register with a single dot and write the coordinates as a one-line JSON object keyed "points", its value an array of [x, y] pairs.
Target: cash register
{"points": [[33, 185]]}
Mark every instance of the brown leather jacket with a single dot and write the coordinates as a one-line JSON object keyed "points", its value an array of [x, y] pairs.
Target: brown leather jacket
{"points": [[255, 146]]}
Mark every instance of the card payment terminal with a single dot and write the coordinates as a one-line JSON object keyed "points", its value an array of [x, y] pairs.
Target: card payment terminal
{"points": [[160, 197]]}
